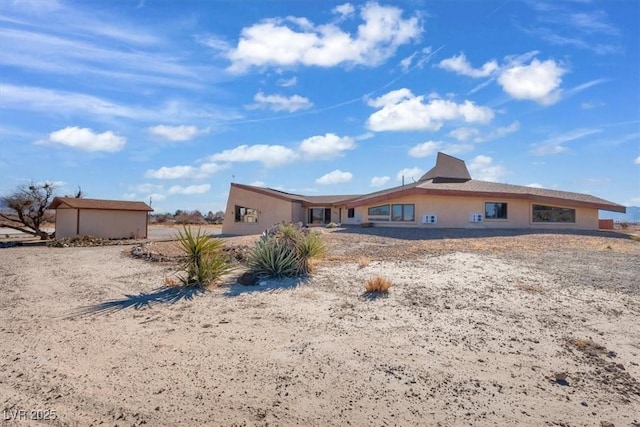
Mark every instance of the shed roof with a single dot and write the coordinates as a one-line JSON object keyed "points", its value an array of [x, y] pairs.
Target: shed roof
{"points": [[81, 203]]}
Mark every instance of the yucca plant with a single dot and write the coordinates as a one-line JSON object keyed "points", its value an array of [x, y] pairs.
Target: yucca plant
{"points": [[309, 247], [204, 260], [274, 258], [286, 251]]}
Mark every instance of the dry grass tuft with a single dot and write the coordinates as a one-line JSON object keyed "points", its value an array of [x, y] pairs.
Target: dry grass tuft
{"points": [[363, 261], [378, 284], [170, 281], [531, 288]]}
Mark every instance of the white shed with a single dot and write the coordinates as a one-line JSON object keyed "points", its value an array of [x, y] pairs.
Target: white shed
{"points": [[108, 219]]}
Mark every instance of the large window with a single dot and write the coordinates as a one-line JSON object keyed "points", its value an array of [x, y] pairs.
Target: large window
{"points": [[495, 210], [246, 214], [543, 213], [351, 213], [403, 213], [319, 216], [382, 210]]}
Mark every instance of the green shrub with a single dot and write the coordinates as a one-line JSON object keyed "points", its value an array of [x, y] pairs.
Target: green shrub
{"points": [[205, 261], [286, 251]]}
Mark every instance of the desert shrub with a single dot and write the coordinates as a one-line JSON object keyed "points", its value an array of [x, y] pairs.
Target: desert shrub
{"points": [[205, 260], [363, 261], [624, 225], [332, 225], [193, 217], [286, 250], [377, 284]]}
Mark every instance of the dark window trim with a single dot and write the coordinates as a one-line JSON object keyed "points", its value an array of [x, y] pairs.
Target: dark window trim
{"points": [[496, 218]]}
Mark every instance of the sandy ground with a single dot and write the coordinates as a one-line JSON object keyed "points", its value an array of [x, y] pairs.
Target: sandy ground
{"points": [[477, 330]]}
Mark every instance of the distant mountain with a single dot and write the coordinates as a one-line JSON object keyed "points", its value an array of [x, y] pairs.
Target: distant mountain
{"points": [[632, 215]]}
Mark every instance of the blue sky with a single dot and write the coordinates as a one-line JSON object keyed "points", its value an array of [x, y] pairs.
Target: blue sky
{"points": [[173, 100]]}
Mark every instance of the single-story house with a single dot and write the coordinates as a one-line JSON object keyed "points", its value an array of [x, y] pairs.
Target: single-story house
{"points": [[108, 219], [444, 197]]}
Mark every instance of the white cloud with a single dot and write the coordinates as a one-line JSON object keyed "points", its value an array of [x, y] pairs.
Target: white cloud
{"points": [[538, 81], [326, 147], [185, 172], [158, 197], [409, 174], [288, 82], [175, 133], [269, 155], [637, 161], [335, 177], [287, 42], [460, 65], [280, 103], [463, 133], [499, 132], [457, 148], [191, 189], [482, 168], [402, 111], [86, 140], [344, 10], [534, 185], [258, 184], [556, 145], [379, 181], [49, 101], [425, 149]]}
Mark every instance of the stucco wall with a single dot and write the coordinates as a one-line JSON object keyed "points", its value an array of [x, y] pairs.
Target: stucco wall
{"points": [[453, 212], [111, 224], [271, 210], [66, 223], [107, 224]]}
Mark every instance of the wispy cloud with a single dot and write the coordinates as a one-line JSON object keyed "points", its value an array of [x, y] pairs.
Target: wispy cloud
{"points": [[555, 145], [280, 103]]}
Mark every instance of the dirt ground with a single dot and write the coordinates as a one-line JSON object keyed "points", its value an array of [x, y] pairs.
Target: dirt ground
{"points": [[479, 328]]}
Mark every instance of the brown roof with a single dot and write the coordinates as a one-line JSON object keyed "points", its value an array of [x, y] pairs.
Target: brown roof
{"points": [[451, 177], [80, 203], [447, 169], [490, 189], [305, 200]]}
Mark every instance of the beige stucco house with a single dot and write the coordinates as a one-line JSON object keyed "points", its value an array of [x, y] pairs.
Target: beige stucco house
{"points": [[108, 219], [444, 197]]}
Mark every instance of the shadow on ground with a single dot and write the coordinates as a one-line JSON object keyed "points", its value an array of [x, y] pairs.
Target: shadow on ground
{"points": [[265, 285], [164, 295], [414, 233]]}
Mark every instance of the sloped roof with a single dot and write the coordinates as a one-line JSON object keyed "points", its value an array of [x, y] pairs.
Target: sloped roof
{"points": [[305, 200], [451, 177], [489, 189], [80, 203], [447, 169]]}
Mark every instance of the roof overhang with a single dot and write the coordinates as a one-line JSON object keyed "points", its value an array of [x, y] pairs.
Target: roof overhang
{"points": [[485, 194]]}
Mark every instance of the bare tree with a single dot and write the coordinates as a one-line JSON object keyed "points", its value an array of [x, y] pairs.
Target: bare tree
{"points": [[27, 205]]}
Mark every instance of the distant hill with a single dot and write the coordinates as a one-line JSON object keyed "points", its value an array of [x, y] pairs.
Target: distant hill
{"points": [[632, 215]]}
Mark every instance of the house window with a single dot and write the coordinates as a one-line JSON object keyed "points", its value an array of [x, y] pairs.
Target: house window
{"points": [[543, 213], [403, 213], [382, 210], [351, 213], [246, 214], [319, 215], [495, 210]]}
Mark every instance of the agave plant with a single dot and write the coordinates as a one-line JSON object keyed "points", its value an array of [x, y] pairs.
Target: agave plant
{"points": [[204, 260]]}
